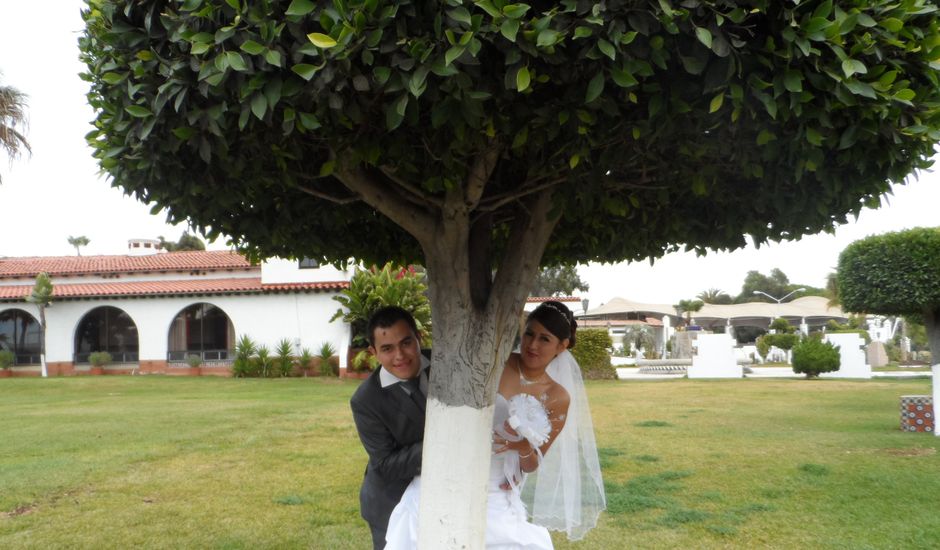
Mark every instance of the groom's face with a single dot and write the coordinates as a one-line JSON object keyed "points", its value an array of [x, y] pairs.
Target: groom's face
{"points": [[396, 347]]}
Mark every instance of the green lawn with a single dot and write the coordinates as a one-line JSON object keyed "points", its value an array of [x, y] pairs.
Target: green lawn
{"points": [[118, 462]]}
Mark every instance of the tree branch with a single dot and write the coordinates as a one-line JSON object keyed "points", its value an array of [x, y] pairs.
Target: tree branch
{"points": [[497, 201], [480, 174], [327, 197], [413, 193], [419, 222]]}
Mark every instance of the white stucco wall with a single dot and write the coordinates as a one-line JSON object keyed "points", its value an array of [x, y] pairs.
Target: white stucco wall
{"points": [[279, 270], [266, 318]]}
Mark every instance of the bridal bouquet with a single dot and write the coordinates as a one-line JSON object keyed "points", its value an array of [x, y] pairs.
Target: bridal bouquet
{"points": [[529, 419]]}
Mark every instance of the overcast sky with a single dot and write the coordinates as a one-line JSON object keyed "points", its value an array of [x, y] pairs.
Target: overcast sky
{"points": [[57, 191]]}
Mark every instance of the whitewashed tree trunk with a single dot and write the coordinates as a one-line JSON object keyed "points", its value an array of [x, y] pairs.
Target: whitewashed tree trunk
{"points": [[475, 316]]}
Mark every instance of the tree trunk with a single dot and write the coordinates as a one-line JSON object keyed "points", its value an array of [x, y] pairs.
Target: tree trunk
{"points": [[473, 336], [932, 323], [42, 340]]}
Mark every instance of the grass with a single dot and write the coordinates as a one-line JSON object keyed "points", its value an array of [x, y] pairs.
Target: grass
{"points": [[154, 462]]}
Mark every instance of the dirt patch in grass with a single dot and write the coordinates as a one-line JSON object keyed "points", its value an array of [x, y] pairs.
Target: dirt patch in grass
{"points": [[909, 452], [20, 511]]}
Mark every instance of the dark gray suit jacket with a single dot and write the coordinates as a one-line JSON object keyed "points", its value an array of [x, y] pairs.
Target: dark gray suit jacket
{"points": [[391, 427]]}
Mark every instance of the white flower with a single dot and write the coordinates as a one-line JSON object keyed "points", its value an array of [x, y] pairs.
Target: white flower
{"points": [[529, 418]]}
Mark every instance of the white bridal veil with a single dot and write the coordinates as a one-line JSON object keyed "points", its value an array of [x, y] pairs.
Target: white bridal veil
{"points": [[566, 492]]}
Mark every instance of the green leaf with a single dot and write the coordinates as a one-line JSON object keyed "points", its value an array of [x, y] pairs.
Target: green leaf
{"points": [[236, 61], [300, 7], [813, 136], [853, 66], [252, 47], [905, 95], [583, 32], [515, 11], [892, 24], [199, 48], [765, 137], [606, 48], [489, 8], [522, 79], [305, 70], [793, 80], [716, 102], [861, 88], [509, 29], [113, 78], [548, 37], [574, 160], [321, 40], [233, 4], [138, 111], [258, 106], [183, 132], [623, 78], [595, 87], [381, 74], [460, 14], [327, 168], [273, 57], [453, 53], [704, 36]]}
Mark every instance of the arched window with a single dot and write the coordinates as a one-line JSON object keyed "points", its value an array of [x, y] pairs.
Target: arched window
{"points": [[109, 329], [203, 330], [19, 333]]}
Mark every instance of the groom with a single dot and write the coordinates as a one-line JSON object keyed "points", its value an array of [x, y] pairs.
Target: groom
{"points": [[388, 408]]}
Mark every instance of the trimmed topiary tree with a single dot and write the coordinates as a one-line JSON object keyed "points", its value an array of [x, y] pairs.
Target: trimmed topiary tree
{"points": [[591, 351], [895, 274], [812, 357]]}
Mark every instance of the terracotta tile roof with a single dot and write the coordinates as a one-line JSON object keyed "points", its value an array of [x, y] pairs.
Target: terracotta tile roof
{"points": [[536, 299], [211, 260], [147, 289]]}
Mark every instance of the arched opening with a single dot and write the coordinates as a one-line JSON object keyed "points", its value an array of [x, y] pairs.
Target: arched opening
{"points": [[204, 330], [109, 329], [19, 333]]}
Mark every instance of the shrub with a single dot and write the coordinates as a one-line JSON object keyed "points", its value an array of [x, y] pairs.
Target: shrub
{"points": [[6, 358], [812, 356], [99, 358], [285, 357], [327, 351], [263, 362], [763, 347], [243, 366], [782, 326], [364, 362], [304, 360], [194, 361], [592, 355]]}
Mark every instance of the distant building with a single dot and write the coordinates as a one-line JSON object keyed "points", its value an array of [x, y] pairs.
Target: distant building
{"points": [[151, 310]]}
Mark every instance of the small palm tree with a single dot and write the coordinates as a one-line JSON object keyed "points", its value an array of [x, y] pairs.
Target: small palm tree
{"points": [[42, 297], [78, 243], [12, 114]]}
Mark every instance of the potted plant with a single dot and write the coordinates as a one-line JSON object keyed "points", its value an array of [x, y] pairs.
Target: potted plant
{"points": [[6, 361], [98, 360], [194, 361]]}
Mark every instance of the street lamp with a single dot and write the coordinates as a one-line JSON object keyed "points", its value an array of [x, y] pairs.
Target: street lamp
{"points": [[779, 300]]}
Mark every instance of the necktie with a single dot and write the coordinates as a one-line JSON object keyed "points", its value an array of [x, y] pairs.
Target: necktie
{"points": [[413, 389]]}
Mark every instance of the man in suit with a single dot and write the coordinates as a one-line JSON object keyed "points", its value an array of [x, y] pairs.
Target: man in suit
{"points": [[388, 408]]}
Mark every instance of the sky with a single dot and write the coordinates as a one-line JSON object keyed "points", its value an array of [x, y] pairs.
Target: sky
{"points": [[57, 191]]}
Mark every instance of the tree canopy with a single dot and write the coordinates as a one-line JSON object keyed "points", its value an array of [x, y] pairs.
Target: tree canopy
{"points": [[654, 124], [777, 284], [186, 242], [558, 281], [12, 114], [894, 274]]}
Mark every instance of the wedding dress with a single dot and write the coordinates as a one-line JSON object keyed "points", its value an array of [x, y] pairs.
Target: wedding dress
{"points": [[507, 527]]}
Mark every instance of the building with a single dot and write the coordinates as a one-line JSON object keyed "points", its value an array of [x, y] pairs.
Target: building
{"points": [[151, 310]]}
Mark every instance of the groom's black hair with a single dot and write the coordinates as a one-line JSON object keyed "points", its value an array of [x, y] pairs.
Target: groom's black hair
{"points": [[388, 316]]}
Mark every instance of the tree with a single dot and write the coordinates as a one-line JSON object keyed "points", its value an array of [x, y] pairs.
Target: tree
{"points": [[484, 139], [186, 242], [558, 281], [812, 356], [894, 274], [79, 242], [688, 307], [777, 284], [12, 114], [715, 296], [42, 297]]}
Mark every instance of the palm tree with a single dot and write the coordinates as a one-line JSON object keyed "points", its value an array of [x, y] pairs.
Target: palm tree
{"points": [[78, 242], [12, 113], [42, 297], [715, 296]]}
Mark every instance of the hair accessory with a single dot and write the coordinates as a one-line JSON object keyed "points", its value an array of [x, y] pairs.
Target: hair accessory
{"points": [[558, 309]]}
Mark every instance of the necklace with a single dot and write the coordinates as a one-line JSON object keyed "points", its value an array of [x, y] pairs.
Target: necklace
{"points": [[526, 382]]}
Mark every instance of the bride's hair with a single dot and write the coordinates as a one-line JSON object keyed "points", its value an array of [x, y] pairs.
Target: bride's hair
{"points": [[557, 318]]}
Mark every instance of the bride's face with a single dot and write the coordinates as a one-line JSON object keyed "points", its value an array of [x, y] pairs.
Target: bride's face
{"points": [[539, 346]]}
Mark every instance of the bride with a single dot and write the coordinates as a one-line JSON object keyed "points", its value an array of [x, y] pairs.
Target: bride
{"points": [[544, 463]]}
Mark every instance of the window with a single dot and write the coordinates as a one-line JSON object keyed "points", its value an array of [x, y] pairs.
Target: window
{"points": [[19, 333], [204, 330], [109, 329], [308, 263]]}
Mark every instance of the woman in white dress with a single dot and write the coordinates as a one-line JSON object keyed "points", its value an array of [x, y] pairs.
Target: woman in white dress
{"points": [[544, 463]]}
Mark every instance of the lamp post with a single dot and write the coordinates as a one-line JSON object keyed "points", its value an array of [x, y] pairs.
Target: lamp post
{"points": [[779, 300]]}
